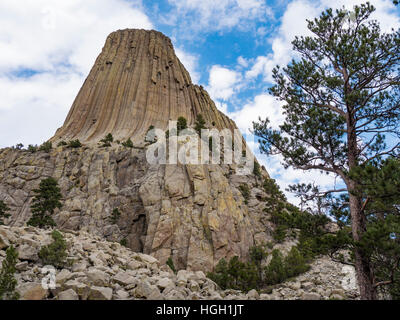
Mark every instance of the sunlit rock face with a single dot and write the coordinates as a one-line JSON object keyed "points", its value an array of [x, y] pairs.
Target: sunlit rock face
{"points": [[137, 81]]}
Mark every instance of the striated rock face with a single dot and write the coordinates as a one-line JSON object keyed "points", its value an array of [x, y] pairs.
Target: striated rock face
{"points": [[137, 81], [193, 213], [103, 270]]}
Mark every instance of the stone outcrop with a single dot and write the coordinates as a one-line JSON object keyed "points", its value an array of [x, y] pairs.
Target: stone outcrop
{"points": [[114, 272], [195, 214], [137, 81]]}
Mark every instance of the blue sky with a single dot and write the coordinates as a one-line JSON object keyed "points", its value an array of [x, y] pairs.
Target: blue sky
{"points": [[47, 48]]}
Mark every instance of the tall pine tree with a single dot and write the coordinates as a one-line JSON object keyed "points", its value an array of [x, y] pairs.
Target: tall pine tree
{"points": [[341, 102], [46, 200], [7, 279]]}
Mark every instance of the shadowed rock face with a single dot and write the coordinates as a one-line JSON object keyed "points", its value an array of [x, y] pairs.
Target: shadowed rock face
{"points": [[137, 81]]}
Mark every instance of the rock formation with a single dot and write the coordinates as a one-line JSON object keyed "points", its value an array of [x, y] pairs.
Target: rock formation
{"points": [[103, 270], [137, 81], [195, 214]]}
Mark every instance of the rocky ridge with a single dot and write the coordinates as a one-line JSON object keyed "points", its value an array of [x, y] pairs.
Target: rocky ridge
{"points": [[103, 270], [195, 214]]}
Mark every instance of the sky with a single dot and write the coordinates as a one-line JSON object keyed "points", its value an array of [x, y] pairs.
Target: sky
{"points": [[47, 48]]}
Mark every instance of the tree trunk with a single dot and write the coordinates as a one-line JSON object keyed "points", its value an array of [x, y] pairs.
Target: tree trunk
{"points": [[364, 272]]}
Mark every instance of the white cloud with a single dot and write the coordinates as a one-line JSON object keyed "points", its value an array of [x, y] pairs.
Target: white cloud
{"points": [[263, 106], [223, 83], [285, 177], [293, 23], [190, 62], [211, 15], [242, 62], [266, 106], [58, 41], [221, 106]]}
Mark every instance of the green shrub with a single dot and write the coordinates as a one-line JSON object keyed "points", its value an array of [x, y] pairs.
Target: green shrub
{"points": [[19, 146], [75, 144], [128, 143], [7, 278], [115, 215], [182, 124], [107, 140], [170, 263], [295, 263], [124, 242], [62, 143], [235, 275], [55, 253], [251, 275], [3, 212], [46, 200], [279, 233], [32, 148], [244, 189], [256, 169], [275, 272], [199, 124], [210, 144], [257, 255], [46, 146]]}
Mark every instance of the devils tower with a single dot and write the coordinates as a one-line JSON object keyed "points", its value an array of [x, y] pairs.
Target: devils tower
{"points": [[136, 81], [193, 214]]}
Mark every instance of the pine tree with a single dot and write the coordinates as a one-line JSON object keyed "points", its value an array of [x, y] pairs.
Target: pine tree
{"points": [[115, 215], [46, 200], [128, 143], [7, 278], [3, 212], [107, 140], [181, 124], [275, 272], [199, 124], [341, 100], [55, 253], [379, 187]]}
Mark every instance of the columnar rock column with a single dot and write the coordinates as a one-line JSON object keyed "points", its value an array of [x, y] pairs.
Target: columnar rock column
{"points": [[137, 81]]}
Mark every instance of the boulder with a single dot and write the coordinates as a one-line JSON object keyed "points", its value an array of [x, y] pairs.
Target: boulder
{"points": [[164, 283], [63, 276], [124, 279], [32, 291], [27, 252], [97, 277], [68, 295], [253, 295], [4, 243], [100, 293], [80, 288], [310, 296], [122, 294]]}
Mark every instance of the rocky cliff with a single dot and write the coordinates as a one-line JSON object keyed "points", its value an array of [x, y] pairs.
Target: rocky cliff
{"points": [[195, 214]]}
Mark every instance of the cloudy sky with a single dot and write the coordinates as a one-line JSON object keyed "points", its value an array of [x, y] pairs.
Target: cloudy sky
{"points": [[47, 48]]}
